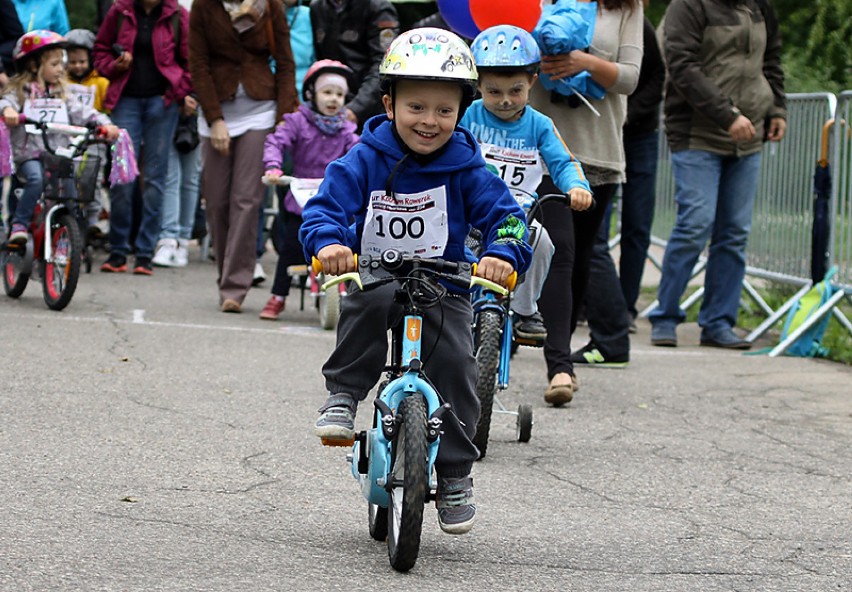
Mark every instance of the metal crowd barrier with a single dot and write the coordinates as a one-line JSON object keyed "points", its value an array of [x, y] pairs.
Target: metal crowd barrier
{"points": [[839, 237]]}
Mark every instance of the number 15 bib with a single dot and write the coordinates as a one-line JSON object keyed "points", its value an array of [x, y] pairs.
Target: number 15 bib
{"points": [[414, 223]]}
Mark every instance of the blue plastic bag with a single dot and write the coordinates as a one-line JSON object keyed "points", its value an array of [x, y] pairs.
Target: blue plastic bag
{"points": [[563, 27]]}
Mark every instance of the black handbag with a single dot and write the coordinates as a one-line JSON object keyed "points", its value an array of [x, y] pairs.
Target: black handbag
{"points": [[186, 134]]}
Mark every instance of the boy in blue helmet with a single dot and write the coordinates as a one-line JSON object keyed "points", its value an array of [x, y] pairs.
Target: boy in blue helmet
{"points": [[518, 142], [415, 154]]}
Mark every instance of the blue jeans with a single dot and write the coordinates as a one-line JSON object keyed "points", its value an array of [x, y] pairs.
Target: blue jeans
{"points": [[715, 198], [181, 193], [637, 212], [31, 174], [150, 122]]}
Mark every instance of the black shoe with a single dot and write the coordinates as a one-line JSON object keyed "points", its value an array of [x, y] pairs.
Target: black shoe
{"points": [[726, 339], [143, 266], [590, 355], [115, 264], [529, 328]]}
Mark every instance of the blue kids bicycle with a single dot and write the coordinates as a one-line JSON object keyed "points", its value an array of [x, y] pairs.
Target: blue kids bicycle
{"points": [[394, 460], [495, 342]]}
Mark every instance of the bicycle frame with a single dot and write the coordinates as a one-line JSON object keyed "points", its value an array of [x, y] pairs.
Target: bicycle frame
{"points": [[378, 441], [488, 300], [372, 452]]}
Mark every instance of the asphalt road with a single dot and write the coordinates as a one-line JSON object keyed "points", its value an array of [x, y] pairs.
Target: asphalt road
{"points": [[150, 442]]}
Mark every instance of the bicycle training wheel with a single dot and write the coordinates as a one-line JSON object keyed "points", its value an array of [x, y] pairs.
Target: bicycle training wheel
{"points": [[487, 340], [524, 422], [60, 275], [378, 521], [17, 266], [377, 516], [410, 484], [328, 304]]}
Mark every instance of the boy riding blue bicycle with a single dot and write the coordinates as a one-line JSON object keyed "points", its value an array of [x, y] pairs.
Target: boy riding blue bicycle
{"points": [[518, 142], [417, 182]]}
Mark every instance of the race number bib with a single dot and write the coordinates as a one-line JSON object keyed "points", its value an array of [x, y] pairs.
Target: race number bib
{"points": [[84, 95], [521, 170], [414, 223], [46, 110], [304, 189]]}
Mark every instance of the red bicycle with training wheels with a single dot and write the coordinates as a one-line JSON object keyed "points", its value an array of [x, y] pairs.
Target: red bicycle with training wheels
{"points": [[55, 249]]}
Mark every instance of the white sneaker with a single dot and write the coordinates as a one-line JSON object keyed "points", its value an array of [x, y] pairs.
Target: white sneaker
{"points": [[259, 274], [165, 255], [182, 253]]}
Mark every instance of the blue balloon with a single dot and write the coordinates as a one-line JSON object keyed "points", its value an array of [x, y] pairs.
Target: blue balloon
{"points": [[458, 17]]}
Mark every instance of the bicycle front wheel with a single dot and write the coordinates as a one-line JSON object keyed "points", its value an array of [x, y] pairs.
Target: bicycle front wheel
{"points": [[17, 266], [61, 274], [410, 484], [488, 327]]}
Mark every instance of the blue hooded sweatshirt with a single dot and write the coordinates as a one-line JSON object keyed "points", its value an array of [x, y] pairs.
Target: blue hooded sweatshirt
{"points": [[473, 197]]}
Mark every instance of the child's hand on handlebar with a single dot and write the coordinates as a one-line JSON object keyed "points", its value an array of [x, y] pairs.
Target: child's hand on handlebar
{"points": [[495, 270], [109, 132], [10, 117], [580, 199], [273, 174], [336, 259]]}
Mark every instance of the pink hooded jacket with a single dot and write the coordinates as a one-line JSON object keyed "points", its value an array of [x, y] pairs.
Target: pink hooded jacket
{"points": [[165, 56]]}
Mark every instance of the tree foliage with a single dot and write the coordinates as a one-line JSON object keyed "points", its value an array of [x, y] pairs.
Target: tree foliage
{"points": [[817, 51]]}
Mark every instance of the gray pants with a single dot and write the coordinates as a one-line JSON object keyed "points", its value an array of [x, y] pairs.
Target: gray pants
{"points": [[526, 294], [356, 364], [233, 193]]}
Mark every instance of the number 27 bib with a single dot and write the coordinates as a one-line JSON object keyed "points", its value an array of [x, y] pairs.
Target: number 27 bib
{"points": [[414, 223], [46, 110]]}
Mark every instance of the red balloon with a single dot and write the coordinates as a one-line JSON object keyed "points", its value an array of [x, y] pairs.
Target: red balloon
{"points": [[521, 13]]}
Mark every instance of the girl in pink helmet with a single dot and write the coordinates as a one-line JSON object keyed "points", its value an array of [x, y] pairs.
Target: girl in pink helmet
{"points": [[313, 136], [38, 92]]}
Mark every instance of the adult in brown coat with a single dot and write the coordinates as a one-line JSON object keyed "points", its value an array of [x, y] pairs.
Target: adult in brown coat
{"points": [[242, 95]]}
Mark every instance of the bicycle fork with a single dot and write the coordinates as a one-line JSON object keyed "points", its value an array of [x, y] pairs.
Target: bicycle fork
{"points": [[372, 454]]}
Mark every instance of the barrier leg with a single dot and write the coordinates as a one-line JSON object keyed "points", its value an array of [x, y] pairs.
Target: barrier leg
{"points": [[777, 315]]}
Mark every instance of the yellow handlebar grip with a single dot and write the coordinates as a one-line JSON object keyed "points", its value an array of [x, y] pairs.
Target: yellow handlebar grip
{"points": [[316, 265], [512, 280]]}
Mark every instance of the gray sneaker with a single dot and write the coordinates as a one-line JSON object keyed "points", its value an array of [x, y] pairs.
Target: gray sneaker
{"points": [[664, 335], [336, 423], [456, 508]]}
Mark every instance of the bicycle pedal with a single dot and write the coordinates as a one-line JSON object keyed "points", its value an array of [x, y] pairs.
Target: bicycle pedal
{"points": [[337, 442], [529, 342]]}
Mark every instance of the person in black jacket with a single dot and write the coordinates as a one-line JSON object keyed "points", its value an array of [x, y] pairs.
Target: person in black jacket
{"points": [[10, 31], [641, 142], [357, 33]]}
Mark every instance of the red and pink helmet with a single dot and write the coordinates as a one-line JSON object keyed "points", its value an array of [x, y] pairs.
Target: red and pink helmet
{"points": [[35, 41], [322, 67]]}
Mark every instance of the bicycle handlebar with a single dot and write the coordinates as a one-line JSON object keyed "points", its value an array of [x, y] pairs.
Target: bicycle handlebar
{"points": [[395, 264], [91, 133], [283, 180]]}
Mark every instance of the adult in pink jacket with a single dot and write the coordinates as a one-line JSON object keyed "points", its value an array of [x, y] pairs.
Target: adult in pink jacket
{"points": [[141, 47]]}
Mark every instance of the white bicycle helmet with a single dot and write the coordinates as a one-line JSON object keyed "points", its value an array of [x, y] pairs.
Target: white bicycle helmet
{"points": [[430, 54]]}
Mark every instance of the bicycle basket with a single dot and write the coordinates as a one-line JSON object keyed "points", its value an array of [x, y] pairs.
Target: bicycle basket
{"points": [[65, 178], [87, 168]]}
